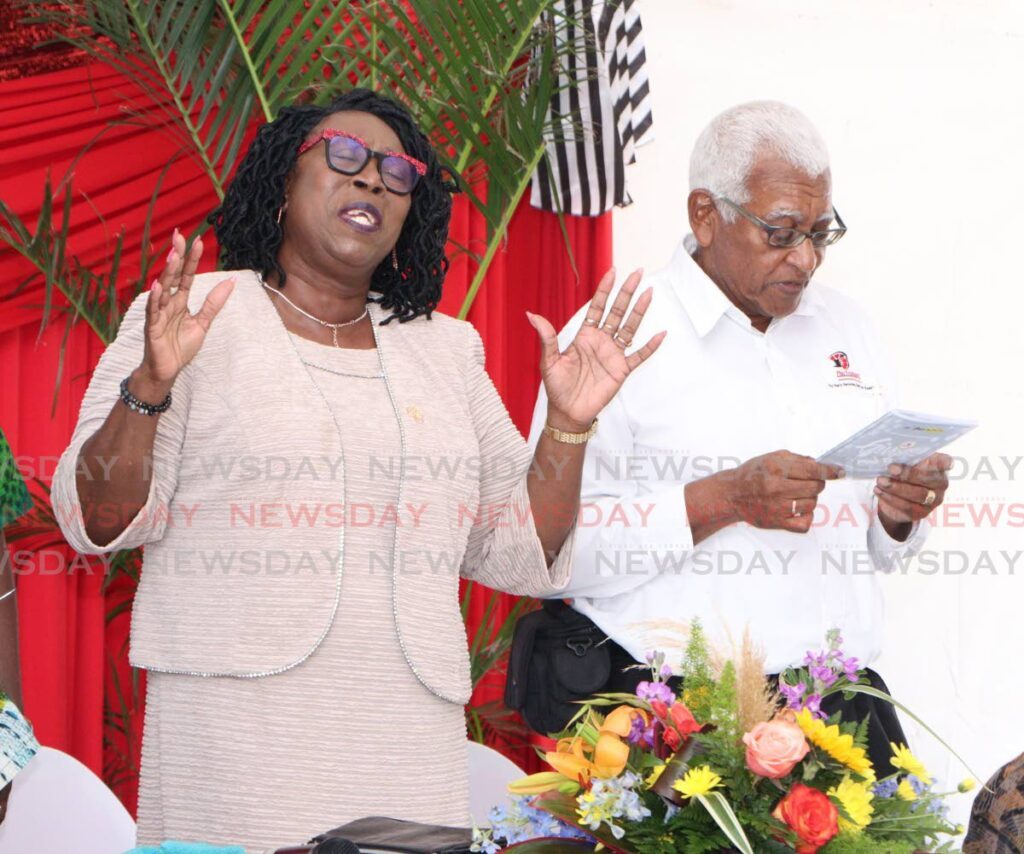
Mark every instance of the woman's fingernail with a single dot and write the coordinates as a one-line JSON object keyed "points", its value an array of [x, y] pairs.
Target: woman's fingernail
{"points": [[885, 482], [171, 254]]}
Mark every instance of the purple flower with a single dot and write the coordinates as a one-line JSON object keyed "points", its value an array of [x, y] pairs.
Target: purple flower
{"points": [[813, 704], [919, 786], [639, 733], [825, 675], [820, 659], [655, 691], [851, 666], [886, 788], [793, 693], [666, 672], [835, 641]]}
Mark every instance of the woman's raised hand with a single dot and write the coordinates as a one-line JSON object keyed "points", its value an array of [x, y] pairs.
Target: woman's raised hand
{"points": [[173, 334], [582, 380]]}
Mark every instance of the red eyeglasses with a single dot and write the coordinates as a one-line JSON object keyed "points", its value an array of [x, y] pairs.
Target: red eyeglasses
{"points": [[348, 154]]}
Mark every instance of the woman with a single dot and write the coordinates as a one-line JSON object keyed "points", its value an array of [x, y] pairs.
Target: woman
{"points": [[312, 457]]}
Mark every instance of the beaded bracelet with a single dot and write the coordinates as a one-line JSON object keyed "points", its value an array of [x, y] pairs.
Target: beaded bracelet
{"points": [[136, 405]]}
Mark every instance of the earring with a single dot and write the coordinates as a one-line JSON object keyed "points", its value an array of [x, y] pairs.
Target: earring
{"points": [[394, 259], [280, 211]]}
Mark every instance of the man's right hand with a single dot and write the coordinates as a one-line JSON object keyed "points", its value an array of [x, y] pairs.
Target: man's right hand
{"points": [[173, 334], [777, 490]]}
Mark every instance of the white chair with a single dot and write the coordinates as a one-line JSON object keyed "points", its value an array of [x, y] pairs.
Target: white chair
{"points": [[59, 806], [489, 775]]}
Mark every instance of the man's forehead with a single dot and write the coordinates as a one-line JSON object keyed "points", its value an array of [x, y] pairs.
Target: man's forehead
{"points": [[780, 189]]}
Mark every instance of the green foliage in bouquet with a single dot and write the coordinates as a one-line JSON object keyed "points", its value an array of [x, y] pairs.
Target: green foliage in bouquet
{"points": [[726, 764]]}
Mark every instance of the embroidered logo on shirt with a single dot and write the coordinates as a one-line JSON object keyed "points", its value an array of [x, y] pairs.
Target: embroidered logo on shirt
{"points": [[844, 376], [414, 413]]}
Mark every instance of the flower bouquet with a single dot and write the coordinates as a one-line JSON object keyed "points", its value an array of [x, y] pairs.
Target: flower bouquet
{"points": [[727, 764]]}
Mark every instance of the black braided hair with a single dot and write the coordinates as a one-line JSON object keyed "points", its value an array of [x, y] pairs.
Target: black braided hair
{"points": [[249, 234]]}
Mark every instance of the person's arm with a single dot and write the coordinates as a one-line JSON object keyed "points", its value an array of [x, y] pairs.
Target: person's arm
{"points": [[119, 460], [10, 672], [643, 523], [777, 490], [17, 744], [508, 550], [579, 383]]}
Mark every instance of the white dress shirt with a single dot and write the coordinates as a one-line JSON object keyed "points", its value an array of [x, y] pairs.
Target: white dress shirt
{"points": [[717, 393]]}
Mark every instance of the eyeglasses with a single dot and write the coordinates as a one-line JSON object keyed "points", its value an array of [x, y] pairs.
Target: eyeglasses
{"points": [[348, 154], [785, 237]]}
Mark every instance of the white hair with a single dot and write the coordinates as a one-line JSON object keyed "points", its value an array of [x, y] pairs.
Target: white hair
{"points": [[728, 148]]}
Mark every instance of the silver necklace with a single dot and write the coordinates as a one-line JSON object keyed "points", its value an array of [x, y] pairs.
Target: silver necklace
{"points": [[334, 327]]}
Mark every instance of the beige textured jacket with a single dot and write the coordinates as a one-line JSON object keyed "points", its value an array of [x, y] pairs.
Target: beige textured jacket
{"points": [[245, 522]]}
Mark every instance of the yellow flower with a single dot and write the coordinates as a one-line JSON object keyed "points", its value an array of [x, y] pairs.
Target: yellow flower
{"points": [[695, 696], [652, 778], [697, 781], [902, 758], [855, 799], [966, 784], [836, 744], [906, 791]]}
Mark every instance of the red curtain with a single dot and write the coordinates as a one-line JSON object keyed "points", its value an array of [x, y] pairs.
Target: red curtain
{"points": [[68, 642]]}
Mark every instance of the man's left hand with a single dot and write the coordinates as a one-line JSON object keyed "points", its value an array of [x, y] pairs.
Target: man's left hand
{"points": [[909, 493]]}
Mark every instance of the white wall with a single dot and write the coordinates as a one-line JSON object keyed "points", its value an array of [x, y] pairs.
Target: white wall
{"points": [[920, 103]]}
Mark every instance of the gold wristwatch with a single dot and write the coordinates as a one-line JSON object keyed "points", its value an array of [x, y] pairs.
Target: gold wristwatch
{"points": [[570, 438]]}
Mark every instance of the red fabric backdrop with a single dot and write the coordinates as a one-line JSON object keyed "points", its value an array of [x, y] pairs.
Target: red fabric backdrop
{"points": [[67, 641]]}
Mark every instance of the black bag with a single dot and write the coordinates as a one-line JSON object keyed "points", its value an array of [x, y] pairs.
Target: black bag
{"points": [[391, 834], [558, 657]]}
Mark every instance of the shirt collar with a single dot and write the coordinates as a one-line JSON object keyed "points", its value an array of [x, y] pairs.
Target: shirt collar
{"points": [[703, 299]]}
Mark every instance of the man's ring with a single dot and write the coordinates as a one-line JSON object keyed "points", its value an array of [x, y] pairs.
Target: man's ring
{"points": [[794, 513], [618, 339], [929, 499], [589, 321]]}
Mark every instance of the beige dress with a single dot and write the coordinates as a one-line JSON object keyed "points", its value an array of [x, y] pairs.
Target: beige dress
{"points": [[350, 720]]}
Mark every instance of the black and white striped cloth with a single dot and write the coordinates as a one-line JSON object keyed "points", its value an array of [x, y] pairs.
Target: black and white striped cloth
{"points": [[600, 112]]}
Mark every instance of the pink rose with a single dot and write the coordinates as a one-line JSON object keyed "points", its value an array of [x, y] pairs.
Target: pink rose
{"points": [[774, 748]]}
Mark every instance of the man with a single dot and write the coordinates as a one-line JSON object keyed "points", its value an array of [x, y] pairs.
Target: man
{"points": [[690, 506]]}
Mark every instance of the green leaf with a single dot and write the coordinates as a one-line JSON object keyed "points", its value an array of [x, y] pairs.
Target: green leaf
{"points": [[550, 845], [718, 808], [881, 695]]}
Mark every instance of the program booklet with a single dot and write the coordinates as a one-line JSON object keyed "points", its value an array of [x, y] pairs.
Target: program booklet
{"points": [[898, 436]]}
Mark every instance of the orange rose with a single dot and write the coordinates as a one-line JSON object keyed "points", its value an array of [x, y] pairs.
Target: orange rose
{"points": [[811, 815], [775, 747]]}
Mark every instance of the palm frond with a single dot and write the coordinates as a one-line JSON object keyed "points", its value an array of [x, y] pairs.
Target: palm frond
{"points": [[212, 67]]}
